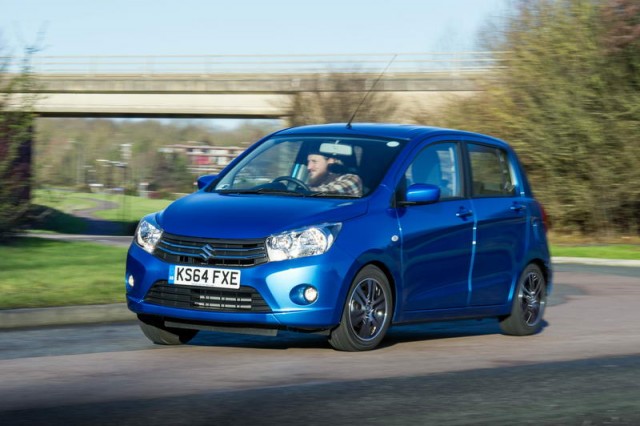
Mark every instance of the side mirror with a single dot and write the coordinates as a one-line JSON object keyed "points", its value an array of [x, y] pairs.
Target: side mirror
{"points": [[421, 193], [205, 180]]}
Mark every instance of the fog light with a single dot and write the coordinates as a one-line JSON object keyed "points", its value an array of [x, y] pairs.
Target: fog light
{"points": [[131, 281], [310, 294], [303, 294]]}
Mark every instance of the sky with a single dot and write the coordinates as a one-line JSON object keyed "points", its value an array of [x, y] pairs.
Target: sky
{"points": [[245, 27], [207, 27]]}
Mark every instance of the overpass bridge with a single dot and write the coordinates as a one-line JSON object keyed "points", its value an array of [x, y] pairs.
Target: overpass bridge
{"points": [[244, 86]]}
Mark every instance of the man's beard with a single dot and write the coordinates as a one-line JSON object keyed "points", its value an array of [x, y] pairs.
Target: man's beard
{"points": [[318, 180]]}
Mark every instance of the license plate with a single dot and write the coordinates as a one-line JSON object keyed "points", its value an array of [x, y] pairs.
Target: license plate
{"points": [[205, 277]]}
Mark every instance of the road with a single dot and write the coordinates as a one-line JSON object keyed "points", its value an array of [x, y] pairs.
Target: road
{"points": [[583, 369]]}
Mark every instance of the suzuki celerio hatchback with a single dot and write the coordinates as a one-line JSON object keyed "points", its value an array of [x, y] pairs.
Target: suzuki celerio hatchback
{"points": [[346, 230]]}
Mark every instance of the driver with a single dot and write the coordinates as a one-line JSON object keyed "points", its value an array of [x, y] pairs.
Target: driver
{"points": [[322, 179]]}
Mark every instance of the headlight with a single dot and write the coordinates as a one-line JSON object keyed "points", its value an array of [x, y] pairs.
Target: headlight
{"points": [[302, 242], [147, 236]]}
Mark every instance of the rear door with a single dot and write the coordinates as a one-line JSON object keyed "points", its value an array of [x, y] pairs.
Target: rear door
{"points": [[501, 213]]}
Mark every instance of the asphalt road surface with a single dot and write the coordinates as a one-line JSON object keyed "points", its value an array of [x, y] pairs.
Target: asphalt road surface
{"points": [[582, 369]]}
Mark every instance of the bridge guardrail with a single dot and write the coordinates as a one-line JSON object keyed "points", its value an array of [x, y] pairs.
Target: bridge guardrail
{"points": [[448, 62]]}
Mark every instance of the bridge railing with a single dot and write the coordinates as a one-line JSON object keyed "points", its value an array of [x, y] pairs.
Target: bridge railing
{"points": [[450, 62]]}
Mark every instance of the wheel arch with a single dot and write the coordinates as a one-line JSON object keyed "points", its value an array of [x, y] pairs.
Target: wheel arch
{"points": [[546, 271]]}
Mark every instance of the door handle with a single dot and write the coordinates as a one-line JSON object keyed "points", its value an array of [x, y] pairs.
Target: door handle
{"points": [[517, 207], [464, 213]]}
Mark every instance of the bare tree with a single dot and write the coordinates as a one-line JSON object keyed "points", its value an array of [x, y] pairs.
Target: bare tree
{"points": [[334, 98]]}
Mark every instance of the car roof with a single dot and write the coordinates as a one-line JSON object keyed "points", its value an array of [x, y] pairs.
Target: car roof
{"points": [[383, 130]]}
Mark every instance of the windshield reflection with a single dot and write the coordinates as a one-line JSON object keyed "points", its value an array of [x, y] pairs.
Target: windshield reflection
{"points": [[312, 166]]}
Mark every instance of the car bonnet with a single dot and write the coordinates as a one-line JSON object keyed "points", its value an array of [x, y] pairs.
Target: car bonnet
{"points": [[240, 216]]}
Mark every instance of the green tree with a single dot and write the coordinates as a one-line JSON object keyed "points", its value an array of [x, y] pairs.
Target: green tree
{"points": [[16, 124], [568, 98], [171, 174]]}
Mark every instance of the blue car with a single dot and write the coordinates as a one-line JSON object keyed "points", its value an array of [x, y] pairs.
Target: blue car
{"points": [[346, 230]]}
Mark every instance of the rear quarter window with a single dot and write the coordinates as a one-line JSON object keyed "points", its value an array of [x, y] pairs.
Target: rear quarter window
{"points": [[491, 172]]}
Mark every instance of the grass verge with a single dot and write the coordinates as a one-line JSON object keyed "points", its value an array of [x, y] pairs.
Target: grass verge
{"points": [[608, 251], [53, 211], [126, 208], [42, 273]]}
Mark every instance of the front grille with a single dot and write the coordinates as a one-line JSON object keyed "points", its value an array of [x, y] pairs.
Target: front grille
{"points": [[211, 252], [244, 299]]}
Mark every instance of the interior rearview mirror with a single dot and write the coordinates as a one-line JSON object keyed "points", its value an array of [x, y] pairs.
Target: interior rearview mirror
{"points": [[336, 148]]}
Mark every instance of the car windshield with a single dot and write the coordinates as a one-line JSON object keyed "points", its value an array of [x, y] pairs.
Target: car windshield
{"points": [[318, 166]]}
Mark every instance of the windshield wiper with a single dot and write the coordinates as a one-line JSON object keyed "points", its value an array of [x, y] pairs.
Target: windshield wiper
{"points": [[331, 195], [270, 191]]}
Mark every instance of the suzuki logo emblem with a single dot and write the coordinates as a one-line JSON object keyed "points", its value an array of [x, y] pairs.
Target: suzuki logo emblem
{"points": [[209, 252]]}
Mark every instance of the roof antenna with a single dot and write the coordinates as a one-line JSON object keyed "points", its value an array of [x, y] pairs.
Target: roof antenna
{"points": [[370, 90]]}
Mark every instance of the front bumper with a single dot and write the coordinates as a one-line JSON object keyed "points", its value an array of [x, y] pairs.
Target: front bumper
{"points": [[329, 273]]}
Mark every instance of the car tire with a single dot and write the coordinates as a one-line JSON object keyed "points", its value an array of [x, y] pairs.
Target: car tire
{"points": [[155, 331], [366, 314], [529, 302]]}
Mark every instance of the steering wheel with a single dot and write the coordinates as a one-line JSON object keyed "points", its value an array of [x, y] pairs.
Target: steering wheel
{"points": [[297, 182]]}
